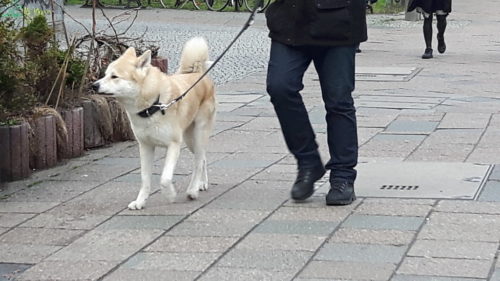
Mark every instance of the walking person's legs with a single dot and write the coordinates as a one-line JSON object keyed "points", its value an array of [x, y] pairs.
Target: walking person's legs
{"points": [[336, 70], [284, 82], [427, 28], [441, 27]]}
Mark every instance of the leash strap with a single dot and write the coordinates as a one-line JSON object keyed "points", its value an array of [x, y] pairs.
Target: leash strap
{"points": [[160, 106]]}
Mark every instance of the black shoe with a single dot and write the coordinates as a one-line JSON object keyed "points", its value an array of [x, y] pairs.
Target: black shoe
{"points": [[427, 54], [441, 44], [358, 50], [341, 193], [303, 187]]}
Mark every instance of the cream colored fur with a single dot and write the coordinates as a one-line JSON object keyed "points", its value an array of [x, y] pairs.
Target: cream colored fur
{"points": [[136, 84]]}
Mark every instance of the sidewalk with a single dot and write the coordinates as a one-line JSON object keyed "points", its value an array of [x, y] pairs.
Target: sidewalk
{"points": [[432, 126]]}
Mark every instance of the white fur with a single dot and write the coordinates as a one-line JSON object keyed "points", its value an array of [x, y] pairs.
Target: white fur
{"points": [[136, 84]]}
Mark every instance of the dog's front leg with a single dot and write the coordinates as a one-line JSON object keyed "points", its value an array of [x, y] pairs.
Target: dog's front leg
{"points": [[167, 175], [147, 156]]}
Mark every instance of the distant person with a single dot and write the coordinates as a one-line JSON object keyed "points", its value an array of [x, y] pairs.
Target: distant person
{"points": [[427, 8]]}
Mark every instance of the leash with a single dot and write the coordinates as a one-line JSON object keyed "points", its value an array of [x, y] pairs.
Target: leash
{"points": [[162, 106]]}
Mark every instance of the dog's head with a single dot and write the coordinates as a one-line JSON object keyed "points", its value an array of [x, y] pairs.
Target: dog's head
{"points": [[124, 76]]}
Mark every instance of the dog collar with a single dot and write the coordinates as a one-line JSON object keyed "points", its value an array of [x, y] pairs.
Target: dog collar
{"points": [[157, 105]]}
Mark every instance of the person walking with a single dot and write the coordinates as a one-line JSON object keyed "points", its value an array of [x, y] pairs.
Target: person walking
{"points": [[326, 33], [429, 7]]}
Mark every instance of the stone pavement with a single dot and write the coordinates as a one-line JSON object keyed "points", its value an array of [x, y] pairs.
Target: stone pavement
{"points": [[71, 222]]}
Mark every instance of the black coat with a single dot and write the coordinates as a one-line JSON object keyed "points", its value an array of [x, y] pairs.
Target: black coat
{"points": [[430, 6], [317, 22]]}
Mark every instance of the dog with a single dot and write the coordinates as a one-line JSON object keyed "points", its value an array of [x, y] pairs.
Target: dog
{"points": [[138, 86]]}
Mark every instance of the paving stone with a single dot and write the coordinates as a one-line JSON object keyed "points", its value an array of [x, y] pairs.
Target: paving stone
{"points": [[189, 228], [183, 244], [400, 277], [13, 219], [53, 191], [22, 207], [67, 270], [388, 201], [453, 136], [490, 192], [393, 209], [247, 199], [317, 228], [109, 245], [140, 222], [228, 216], [40, 236], [123, 274], [171, 261], [244, 274], [361, 253], [100, 173], [10, 271], [465, 120], [445, 267], [312, 214], [278, 172], [285, 242], [411, 127], [496, 275], [372, 236], [275, 260], [462, 227], [24, 253], [65, 221], [453, 249], [457, 206], [347, 270], [495, 174], [383, 222]]}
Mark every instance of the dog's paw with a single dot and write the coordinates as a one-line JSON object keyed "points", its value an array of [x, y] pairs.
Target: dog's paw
{"points": [[136, 205], [204, 187], [192, 194]]}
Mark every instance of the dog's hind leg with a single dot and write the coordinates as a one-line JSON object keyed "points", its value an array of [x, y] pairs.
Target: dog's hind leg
{"points": [[147, 156], [166, 183], [197, 140]]}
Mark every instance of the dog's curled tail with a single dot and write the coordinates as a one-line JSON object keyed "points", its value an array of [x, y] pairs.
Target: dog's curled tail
{"points": [[194, 57]]}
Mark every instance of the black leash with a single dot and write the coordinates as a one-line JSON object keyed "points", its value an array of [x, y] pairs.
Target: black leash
{"points": [[161, 106]]}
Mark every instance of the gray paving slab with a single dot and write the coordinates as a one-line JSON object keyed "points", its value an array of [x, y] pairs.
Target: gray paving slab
{"points": [[25, 253], [490, 192], [445, 267], [319, 228], [372, 236], [495, 173], [393, 209], [368, 253], [189, 244], [12, 219], [283, 242], [275, 260], [125, 274], [170, 261], [66, 221], [400, 277], [411, 127], [298, 213], [244, 274], [22, 207], [9, 271], [67, 270], [140, 222], [347, 270], [40, 236], [453, 249], [202, 228], [383, 222]]}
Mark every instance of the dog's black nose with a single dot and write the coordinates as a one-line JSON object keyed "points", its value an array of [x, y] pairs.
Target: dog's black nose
{"points": [[95, 86]]}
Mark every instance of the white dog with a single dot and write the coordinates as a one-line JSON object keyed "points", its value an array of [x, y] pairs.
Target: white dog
{"points": [[139, 86]]}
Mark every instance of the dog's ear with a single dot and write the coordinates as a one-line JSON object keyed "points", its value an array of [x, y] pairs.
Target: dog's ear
{"points": [[130, 52], [144, 59]]}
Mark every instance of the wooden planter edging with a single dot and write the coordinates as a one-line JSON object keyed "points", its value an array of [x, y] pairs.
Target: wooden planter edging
{"points": [[73, 118], [91, 132], [14, 152], [161, 63], [45, 143]]}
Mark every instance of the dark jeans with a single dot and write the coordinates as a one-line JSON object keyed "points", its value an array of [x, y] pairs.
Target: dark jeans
{"points": [[335, 67]]}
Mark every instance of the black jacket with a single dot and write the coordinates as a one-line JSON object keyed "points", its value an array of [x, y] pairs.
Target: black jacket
{"points": [[317, 22], [430, 6]]}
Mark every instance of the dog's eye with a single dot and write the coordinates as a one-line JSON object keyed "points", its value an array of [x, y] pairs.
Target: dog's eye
{"points": [[114, 76]]}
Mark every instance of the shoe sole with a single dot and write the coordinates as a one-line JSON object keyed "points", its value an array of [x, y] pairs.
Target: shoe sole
{"points": [[298, 199], [341, 202]]}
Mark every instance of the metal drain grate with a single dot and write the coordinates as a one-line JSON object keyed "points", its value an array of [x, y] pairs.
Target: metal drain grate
{"points": [[399, 187]]}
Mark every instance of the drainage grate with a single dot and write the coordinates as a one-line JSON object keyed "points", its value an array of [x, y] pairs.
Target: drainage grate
{"points": [[399, 187]]}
